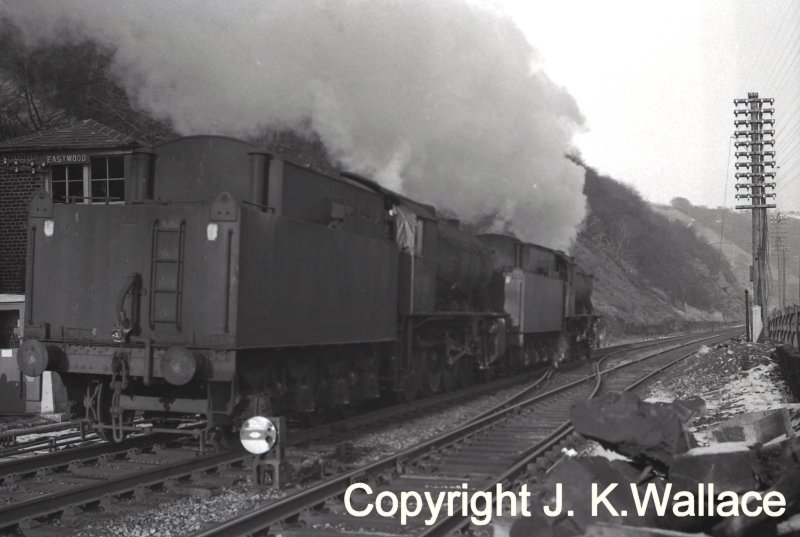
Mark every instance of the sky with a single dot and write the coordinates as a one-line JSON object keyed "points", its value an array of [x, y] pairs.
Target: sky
{"points": [[406, 90], [656, 82]]}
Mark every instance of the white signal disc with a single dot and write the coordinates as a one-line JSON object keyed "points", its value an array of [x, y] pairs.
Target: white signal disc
{"points": [[258, 435]]}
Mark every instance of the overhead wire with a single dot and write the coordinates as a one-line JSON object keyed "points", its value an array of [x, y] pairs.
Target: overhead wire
{"points": [[757, 61], [724, 206], [778, 71]]}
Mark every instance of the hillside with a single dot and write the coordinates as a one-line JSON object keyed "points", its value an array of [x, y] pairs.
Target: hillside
{"points": [[652, 273], [729, 231]]}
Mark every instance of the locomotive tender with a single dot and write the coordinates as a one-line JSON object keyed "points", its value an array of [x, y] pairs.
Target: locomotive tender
{"points": [[230, 283]]}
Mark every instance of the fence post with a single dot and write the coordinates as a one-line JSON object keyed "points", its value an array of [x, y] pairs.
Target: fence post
{"points": [[747, 314]]}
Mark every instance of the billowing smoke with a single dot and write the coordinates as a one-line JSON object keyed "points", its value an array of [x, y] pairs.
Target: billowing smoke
{"points": [[439, 99]]}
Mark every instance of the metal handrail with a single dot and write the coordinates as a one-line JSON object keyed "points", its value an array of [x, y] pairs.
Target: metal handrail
{"points": [[784, 326]]}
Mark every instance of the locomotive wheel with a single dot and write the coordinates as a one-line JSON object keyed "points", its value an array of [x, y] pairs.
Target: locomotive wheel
{"points": [[337, 381], [549, 354], [433, 368], [411, 387], [488, 374], [451, 376], [368, 386]]}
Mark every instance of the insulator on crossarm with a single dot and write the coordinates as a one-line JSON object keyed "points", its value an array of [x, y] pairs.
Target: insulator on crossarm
{"points": [[755, 174], [741, 196], [739, 122]]}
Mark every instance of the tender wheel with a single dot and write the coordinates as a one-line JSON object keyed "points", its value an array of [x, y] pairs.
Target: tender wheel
{"points": [[433, 369], [304, 386], [337, 381]]}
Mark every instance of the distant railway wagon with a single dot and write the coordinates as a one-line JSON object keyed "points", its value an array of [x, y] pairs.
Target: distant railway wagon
{"points": [[227, 282]]}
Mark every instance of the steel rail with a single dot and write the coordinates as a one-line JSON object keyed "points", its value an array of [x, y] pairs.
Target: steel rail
{"points": [[446, 526], [65, 457], [59, 501], [44, 505], [615, 351], [48, 504], [265, 517], [55, 502]]}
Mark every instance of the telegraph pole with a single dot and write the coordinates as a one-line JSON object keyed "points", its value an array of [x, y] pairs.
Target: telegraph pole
{"points": [[754, 183]]}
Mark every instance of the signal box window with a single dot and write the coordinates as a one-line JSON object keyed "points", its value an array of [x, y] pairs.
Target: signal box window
{"points": [[108, 179], [67, 182], [103, 181]]}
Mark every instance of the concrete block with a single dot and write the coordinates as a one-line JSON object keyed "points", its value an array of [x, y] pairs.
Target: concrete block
{"points": [[754, 427], [727, 470], [54, 395]]}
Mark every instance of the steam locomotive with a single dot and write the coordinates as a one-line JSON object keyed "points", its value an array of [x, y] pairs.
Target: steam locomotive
{"points": [[231, 283]]}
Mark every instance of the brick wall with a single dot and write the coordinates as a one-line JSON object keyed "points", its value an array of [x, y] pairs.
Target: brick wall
{"points": [[15, 192]]}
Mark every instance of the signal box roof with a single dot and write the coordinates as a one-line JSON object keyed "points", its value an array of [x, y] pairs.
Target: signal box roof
{"points": [[85, 134]]}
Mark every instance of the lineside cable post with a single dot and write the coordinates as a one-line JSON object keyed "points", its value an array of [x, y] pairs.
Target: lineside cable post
{"points": [[752, 137]]}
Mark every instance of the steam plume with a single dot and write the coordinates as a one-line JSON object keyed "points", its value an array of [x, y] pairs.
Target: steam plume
{"points": [[441, 100]]}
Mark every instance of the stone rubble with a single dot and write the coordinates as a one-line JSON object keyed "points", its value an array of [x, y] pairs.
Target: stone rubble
{"points": [[732, 400]]}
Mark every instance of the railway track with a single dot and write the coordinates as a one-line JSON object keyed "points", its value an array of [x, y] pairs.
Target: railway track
{"points": [[44, 438], [496, 447], [71, 480], [59, 436]]}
